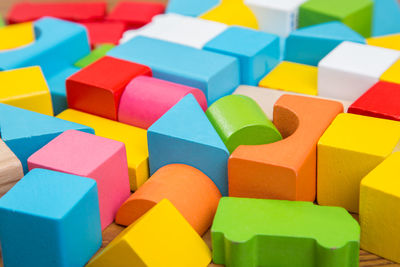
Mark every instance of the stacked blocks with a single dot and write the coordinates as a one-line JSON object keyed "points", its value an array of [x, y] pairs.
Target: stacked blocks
{"points": [[16, 36], [10, 169]]}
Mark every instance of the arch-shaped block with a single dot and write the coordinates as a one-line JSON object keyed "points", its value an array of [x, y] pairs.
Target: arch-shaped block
{"points": [[284, 169]]}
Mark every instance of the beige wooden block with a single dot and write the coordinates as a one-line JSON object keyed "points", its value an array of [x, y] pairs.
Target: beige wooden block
{"points": [[10, 169]]}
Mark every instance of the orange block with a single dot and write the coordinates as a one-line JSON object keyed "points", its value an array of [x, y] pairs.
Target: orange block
{"points": [[188, 189], [285, 169]]}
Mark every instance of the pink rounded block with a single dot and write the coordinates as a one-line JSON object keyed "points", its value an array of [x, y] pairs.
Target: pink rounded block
{"points": [[101, 159], [146, 99]]}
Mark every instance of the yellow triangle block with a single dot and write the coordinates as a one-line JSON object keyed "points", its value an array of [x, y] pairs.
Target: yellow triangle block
{"points": [[392, 74], [387, 41], [161, 237], [16, 35]]}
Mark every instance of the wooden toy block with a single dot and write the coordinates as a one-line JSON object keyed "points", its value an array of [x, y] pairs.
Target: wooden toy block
{"points": [[386, 19], [379, 221], [311, 44], [135, 14], [95, 55], [351, 147], [87, 155], [97, 89], [10, 169], [258, 52], [286, 169], [135, 140], [185, 135], [357, 14], [179, 29], [239, 120], [381, 101], [25, 132], [43, 218], [30, 92], [191, 68], [104, 32], [388, 41], [161, 237], [347, 72], [79, 12], [192, 8], [260, 232], [303, 78], [146, 99], [392, 74], [278, 17], [16, 36], [197, 202]]}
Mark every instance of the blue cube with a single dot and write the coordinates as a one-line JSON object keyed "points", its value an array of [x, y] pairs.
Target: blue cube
{"points": [[192, 8]]}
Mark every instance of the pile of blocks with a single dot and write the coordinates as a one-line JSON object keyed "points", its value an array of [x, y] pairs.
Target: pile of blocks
{"points": [[272, 123]]}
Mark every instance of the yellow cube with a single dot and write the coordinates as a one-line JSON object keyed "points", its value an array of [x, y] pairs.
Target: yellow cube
{"points": [[379, 209], [351, 147], [392, 74], [26, 88], [388, 41], [16, 35]]}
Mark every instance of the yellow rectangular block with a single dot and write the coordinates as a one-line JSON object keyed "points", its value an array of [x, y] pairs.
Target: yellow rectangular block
{"points": [[161, 237], [388, 41], [135, 140], [392, 74], [26, 88], [351, 147], [292, 77], [379, 209], [16, 35]]}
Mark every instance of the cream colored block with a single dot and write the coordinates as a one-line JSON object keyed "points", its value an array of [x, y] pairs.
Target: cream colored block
{"points": [[10, 169]]}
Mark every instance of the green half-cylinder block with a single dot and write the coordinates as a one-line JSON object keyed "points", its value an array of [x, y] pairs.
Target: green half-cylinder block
{"points": [[95, 55], [357, 14], [279, 233], [239, 120]]}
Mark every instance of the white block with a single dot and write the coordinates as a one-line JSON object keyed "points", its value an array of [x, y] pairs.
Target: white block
{"points": [[190, 31], [351, 69], [276, 16]]}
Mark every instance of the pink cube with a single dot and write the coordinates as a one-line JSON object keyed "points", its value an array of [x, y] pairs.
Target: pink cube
{"points": [[101, 159]]}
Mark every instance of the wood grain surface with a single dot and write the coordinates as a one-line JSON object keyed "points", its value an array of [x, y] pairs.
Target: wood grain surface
{"points": [[366, 259]]}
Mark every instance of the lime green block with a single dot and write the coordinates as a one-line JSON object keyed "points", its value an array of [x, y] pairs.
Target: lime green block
{"points": [[279, 233], [1, 22], [239, 120], [95, 55], [357, 14]]}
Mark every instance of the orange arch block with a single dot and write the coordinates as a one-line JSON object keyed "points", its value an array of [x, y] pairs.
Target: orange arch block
{"points": [[285, 169], [188, 189]]}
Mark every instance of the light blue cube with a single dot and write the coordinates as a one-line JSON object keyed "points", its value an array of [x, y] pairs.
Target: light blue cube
{"points": [[386, 19], [192, 8]]}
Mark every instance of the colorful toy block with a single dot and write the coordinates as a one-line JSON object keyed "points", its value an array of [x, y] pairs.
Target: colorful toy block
{"points": [[191, 68], [104, 32], [87, 155], [161, 237], [192, 8], [386, 19], [10, 169], [197, 202], [286, 169], [379, 193], [1, 21], [185, 135], [135, 140], [30, 92], [43, 218], [16, 36], [258, 52], [357, 14], [146, 99], [97, 89], [95, 55], [351, 147], [392, 73], [388, 41], [347, 72], [292, 77], [240, 121], [311, 44], [260, 232]]}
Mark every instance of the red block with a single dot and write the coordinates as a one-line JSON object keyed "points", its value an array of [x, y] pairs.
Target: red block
{"points": [[135, 14], [381, 101], [104, 32], [97, 88], [78, 12]]}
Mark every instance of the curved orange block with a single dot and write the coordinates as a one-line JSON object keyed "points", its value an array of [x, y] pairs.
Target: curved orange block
{"points": [[285, 169], [188, 189]]}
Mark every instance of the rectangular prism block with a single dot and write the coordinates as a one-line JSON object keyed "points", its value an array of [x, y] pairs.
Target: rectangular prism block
{"points": [[10, 169]]}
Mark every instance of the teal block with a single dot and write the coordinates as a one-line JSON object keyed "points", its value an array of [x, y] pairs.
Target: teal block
{"points": [[258, 52], [192, 8], [185, 135], [50, 219], [386, 19], [311, 44], [215, 74]]}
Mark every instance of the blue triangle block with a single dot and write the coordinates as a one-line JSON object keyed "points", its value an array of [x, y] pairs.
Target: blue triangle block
{"points": [[26, 131], [185, 135], [192, 8], [311, 44], [386, 19]]}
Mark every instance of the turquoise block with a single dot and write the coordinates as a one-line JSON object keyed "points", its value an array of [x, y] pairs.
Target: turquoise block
{"points": [[193, 8], [311, 44], [50, 219], [215, 74], [386, 19], [258, 52], [185, 135], [26, 131]]}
